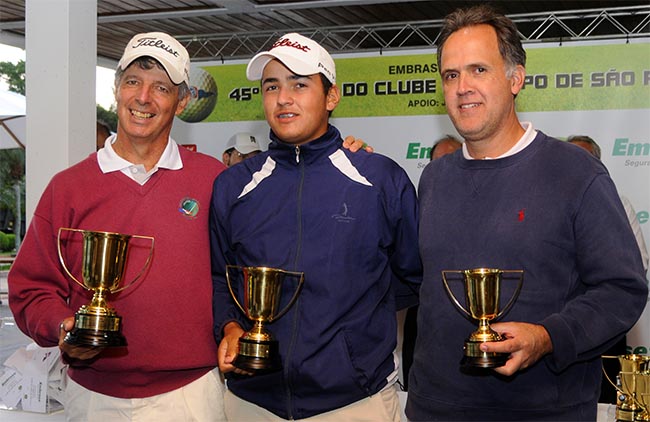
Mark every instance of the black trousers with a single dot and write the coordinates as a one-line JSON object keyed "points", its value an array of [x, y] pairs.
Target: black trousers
{"points": [[408, 343]]}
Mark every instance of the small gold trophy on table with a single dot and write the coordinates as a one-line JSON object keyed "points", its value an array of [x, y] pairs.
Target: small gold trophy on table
{"points": [[643, 395], [633, 387], [262, 290], [482, 287], [103, 260]]}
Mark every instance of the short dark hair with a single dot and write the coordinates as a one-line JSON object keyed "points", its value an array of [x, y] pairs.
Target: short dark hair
{"points": [[510, 47], [103, 126], [327, 84], [447, 137], [595, 148]]}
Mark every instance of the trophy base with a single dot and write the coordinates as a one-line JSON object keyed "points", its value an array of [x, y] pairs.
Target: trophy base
{"points": [[483, 361], [625, 415], [258, 357], [475, 358], [85, 337]]}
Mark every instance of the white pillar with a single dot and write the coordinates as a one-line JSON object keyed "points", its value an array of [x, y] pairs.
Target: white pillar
{"points": [[61, 56]]}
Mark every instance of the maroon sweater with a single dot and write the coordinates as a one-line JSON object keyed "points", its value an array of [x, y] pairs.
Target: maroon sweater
{"points": [[167, 314]]}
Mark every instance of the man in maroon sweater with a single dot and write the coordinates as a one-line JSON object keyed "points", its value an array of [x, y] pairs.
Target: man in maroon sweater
{"points": [[140, 183]]}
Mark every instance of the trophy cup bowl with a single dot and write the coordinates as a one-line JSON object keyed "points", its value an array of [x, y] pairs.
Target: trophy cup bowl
{"points": [[104, 257], [632, 387], [482, 288], [262, 290]]}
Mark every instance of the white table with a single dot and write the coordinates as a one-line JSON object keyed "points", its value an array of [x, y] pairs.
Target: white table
{"points": [[20, 416]]}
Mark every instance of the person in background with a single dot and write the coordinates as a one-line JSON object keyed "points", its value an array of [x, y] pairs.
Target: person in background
{"points": [[141, 183], [516, 199], [608, 392], [347, 221], [593, 148], [103, 132], [445, 145], [239, 147]]}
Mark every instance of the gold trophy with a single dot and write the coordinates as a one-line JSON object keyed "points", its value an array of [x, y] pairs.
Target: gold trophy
{"points": [[102, 269], [258, 349], [632, 387], [482, 288]]}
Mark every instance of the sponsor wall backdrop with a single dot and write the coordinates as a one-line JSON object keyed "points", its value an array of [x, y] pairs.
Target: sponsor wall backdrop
{"points": [[395, 103]]}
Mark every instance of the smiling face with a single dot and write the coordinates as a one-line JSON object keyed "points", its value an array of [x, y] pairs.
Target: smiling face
{"points": [[296, 107], [478, 92], [147, 102]]}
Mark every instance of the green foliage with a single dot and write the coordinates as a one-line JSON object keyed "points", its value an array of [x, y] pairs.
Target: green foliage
{"points": [[12, 161], [7, 242], [12, 173], [107, 116], [14, 75]]}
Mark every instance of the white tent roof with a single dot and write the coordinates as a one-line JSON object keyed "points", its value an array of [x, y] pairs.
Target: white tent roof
{"points": [[12, 120]]}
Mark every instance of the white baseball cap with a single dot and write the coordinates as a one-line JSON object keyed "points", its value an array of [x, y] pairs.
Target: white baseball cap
{"points": [[243, 142], [303, 56], [162, 47]]}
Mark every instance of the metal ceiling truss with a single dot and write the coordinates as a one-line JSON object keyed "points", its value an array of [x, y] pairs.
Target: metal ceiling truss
{"points": [[575, 25]]}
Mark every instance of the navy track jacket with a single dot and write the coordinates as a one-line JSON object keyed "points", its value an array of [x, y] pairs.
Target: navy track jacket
{"points": [[349, 221]]}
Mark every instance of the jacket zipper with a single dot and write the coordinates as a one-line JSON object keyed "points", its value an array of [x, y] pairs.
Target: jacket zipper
{"points": [[295, 267]]}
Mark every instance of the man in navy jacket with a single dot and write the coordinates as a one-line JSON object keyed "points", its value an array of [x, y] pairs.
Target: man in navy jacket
{"points": [[347, 221]]}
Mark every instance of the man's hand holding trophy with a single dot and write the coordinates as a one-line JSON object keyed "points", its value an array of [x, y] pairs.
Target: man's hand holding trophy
{"points": [[260, 292], [482, 291], [97, 324]]}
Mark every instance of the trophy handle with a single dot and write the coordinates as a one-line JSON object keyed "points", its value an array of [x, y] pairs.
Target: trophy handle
{"points": [[232, 293], [451, 294], [301, 280], [642, 369], [516, 293], [607, 376], [58, 247], [67, 271], [146, 264]]}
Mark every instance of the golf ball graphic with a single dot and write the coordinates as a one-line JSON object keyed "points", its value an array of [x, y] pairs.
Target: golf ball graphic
{"points": [[203, 98]]}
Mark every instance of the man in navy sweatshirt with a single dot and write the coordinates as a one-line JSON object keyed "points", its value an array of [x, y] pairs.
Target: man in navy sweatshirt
{"points": [[515, 199]]}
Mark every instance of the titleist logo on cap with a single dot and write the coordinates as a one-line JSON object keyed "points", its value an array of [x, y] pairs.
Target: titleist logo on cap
{"points": [[286, 42], [155, 42]]}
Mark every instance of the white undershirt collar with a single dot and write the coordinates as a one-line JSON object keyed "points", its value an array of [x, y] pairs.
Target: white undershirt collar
{"points": [[109, 161], [528, 137]]}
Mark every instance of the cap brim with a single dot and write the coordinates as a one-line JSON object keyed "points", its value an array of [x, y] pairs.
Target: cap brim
{"points": [[256, 66], [247, 149], [173, 74]]}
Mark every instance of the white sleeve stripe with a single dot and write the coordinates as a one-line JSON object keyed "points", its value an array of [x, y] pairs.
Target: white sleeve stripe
{"points": [[258, 176], [343, 164]]}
